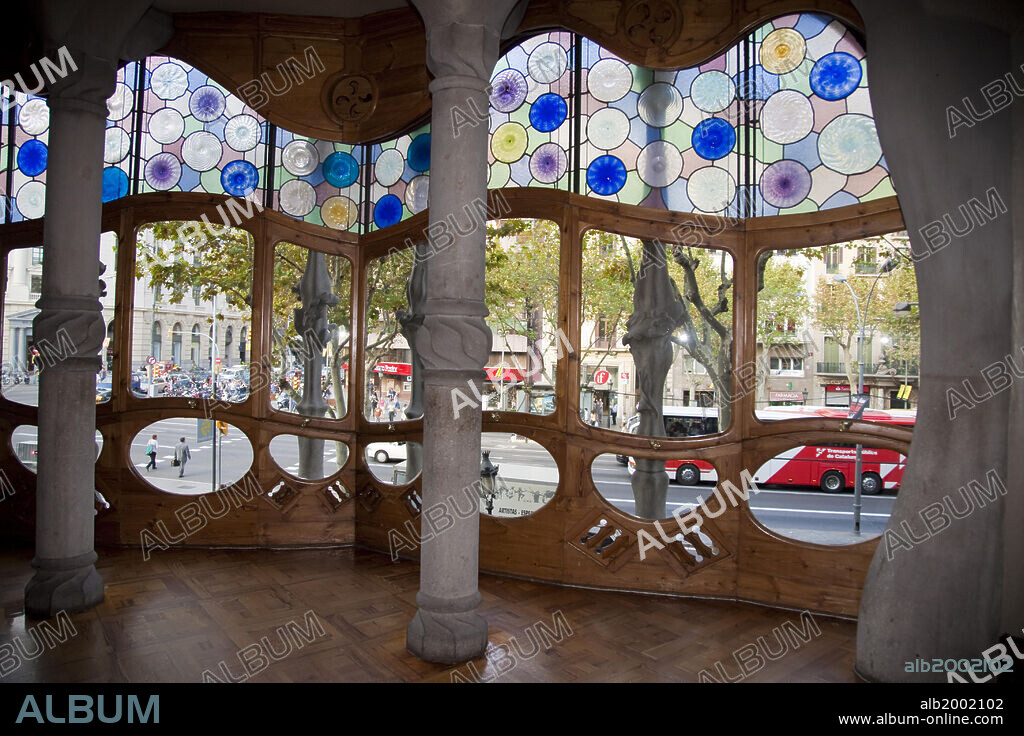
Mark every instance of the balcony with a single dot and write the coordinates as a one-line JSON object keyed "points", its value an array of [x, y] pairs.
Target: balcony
{"points": [[895, 369]]}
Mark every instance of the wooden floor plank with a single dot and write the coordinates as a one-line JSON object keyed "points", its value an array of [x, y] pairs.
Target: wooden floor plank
{"points": [[189, 612]]}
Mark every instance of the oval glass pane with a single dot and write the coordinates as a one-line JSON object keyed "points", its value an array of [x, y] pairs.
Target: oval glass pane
{"points": [[395, 463], [198, 475], [690, 482], [311, 458], [524, 477], [25, 443], [807, 492]]}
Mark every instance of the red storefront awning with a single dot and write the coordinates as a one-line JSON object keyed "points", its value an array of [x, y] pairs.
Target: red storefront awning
{"points": [[394, 369], [507, 374]]}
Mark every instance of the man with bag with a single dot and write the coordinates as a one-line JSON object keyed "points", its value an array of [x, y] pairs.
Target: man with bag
{"points": [[151, 448], [181, 456]]}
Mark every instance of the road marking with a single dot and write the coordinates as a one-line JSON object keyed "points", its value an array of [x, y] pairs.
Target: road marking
{"points": [[762, 508]]}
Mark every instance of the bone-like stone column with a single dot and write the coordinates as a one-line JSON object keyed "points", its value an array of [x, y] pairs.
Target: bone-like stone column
{"points": [[937, 586], [96, 35], [65, 576], [311, 323], [454, 340], [657, 312]]}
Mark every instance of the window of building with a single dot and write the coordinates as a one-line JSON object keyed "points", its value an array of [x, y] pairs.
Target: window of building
{"points": [[786, 366], [36, 284], [833, 259], [156, 345], [867, 259], [37, 256]]}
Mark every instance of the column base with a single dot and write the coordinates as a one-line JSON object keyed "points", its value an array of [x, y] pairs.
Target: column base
{"points": [[446, 638], [71, 585]]}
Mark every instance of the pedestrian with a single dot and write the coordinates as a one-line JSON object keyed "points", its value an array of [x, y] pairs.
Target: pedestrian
{"points": [[151, 448], [614, 409], [593, 418], [392, 408], [182, 454]]}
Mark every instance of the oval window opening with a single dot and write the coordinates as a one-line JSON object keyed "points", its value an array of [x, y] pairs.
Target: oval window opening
{"points": [[517, 476], [25, 443], [324, 461], [154, 457], [690, 482], [395, 463], [807, 492]]}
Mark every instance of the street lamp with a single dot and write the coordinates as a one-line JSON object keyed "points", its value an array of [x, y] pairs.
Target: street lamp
{"points": [[888, 265]]}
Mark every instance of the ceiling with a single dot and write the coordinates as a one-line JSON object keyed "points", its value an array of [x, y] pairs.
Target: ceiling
{"points": [[328, 8]]}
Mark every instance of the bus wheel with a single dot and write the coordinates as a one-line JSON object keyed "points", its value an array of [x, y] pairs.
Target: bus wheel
{"points": [[833, 482], [870, 483], [687, 475]]}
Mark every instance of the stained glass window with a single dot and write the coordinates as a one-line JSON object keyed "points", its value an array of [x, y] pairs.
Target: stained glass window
{"points": [[197, 137], [530, 125], [318, 181], [400, 180], [780, 122]]}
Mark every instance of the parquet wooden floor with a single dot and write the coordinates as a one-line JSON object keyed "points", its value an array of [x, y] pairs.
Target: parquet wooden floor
{"points": [[187, 612]]}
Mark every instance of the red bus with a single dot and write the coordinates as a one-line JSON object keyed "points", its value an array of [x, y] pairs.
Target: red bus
{"points": [[829, 467]]}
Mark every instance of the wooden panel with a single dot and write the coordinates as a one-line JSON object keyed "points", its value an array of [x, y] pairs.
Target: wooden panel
{"points": [[753, 563], [374, 79], [671, 34], [343, 79]]}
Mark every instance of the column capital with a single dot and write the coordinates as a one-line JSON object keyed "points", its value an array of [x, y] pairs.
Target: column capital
{"points": [[84, 44], [463, 35]]}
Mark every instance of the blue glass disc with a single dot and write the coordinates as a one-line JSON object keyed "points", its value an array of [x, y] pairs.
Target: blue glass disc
{"points": [[387, 211], [419, 153], [239, 178], [341, 169], [606, 174], [548, 112], [835, 76], [115, 183], [32, 158], [713, 138]]}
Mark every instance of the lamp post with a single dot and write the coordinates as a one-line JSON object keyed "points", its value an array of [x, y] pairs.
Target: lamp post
{"points": [[213, 387], [903, 309], [888, 265]]}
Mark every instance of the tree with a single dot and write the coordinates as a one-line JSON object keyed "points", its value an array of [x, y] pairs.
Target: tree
{"points": [[522, 288], [608, 276], [835, 314], [782, 305]]}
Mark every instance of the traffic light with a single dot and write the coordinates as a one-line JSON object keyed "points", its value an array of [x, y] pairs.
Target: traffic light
{"points": [[223, 427], [904, 392]]}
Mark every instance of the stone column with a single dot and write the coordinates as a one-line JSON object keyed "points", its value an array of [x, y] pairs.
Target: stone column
{"points": [[454, 341], [937, 588], [65, 576], [71, 322]]}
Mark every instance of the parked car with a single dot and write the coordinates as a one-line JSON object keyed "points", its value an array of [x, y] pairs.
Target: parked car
{"points": [[384, 452]]}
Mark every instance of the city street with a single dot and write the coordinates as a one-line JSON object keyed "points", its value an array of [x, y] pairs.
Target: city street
{"points": [[805, 514]]}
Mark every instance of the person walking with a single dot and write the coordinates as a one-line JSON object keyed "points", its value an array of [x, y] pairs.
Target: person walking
{"points": [[182, 454], [151, 448]]}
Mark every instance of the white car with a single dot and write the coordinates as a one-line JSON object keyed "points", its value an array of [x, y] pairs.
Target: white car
{"points": [[384, 452]]}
